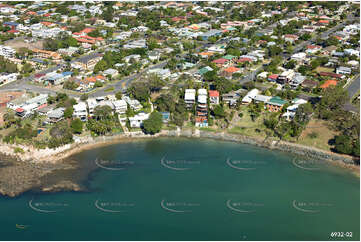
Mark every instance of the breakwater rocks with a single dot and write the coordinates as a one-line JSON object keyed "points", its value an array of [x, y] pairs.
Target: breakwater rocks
{"points": [[269, 143], [18, 176]]}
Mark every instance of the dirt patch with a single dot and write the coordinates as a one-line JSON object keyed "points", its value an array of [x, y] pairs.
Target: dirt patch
{"points": [[18, 43]]}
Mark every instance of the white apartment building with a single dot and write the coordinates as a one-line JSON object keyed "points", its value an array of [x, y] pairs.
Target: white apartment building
{"points": [[80, 111], [190, 97], [7, 51]]}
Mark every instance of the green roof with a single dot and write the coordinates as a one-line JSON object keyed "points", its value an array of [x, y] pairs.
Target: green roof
{"points": [[204, 70], [277, 101], [229, 57]]}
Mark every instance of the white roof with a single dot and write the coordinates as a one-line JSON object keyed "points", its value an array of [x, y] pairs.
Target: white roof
{"points": [[202, 99], [80, 106], [189, 96], [262, 98], [202, 91], [190, 90]]}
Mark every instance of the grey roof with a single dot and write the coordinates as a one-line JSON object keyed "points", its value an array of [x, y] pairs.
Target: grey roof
{"points": [[56, 113]]}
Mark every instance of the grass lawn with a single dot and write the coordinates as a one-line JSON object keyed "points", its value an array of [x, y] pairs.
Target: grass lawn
{"points": [[323, 135], [246, 126], [109, 89], [208, 129], [323, 69]]}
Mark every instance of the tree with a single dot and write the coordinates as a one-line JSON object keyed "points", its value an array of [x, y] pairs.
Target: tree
{"points": [[154, 123], [139, 90], [98, 84], [100, 66], [77, 126], [70, 85], [103, 112], [118, 95], [155, 83], [60, 135], [84, 97], [218, 112], [68, 112], [165, 102], [343, 144], [291, 64]]}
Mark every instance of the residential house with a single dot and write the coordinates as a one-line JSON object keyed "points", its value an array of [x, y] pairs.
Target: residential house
{"points": [[291, 110], [213, 97], [133, 103], [190, 97], [261, 98], [55, 115], [211, 33], [138, 119], [297, 80], [87, 62], [111, 72], [290, 37], [250, 96], [201, 118], [312, 49], [80, 111], [343, 70], [275, 104], [286, 76], [232, 97], [228, 72]]}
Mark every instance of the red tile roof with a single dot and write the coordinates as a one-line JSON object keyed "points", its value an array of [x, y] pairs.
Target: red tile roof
{"points": [[244, 59], [273, 76], [329, 83], [220, 61], [231, 69], [213, 93]]}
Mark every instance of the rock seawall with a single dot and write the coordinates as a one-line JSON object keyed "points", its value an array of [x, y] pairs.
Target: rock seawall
{"points": [[288, 147]]}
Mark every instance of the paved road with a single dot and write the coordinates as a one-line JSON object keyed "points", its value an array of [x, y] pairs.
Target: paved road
{"points": [[119, 85], [354, 87]]}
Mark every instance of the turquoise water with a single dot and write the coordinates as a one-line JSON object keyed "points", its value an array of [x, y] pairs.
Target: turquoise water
{"points": [[185, 189]]}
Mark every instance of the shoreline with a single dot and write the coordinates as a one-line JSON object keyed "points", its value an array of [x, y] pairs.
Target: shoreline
{"points": [[55, 155], [35, 164]]}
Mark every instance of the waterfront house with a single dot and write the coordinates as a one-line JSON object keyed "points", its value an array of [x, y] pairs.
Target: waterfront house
{"points": [[190, 97], [250, 96], [55, 115], [275, 104], [138, 119], [80, 111], [213, 96]]}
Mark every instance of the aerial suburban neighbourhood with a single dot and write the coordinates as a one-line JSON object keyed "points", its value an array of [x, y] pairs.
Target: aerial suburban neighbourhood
{"points": [[288, 70], [177, 100]]}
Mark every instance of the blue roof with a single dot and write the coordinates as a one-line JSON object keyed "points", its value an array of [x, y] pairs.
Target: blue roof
{"points": [[67, 73], [38, 60], [11, 23], [55, 77]]}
